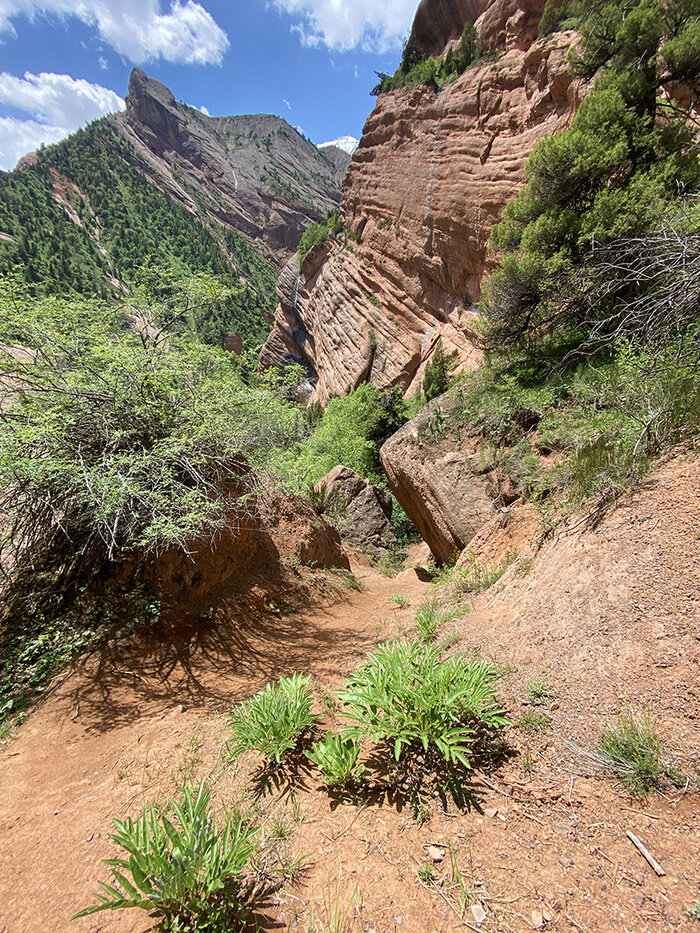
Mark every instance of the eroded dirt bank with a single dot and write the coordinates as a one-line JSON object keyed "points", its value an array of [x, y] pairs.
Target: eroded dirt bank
{"points": [[602, 615]]}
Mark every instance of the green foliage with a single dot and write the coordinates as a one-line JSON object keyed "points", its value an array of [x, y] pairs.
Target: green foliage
{"points": [[430, 615], [565, 16], [351, 431], [318, 233], [38, 644], [417, 68], [406, 696], [622, 166], [337, 758], [693, 912], [436, 379], [184, 869], [274, 720], [634, 750], [125, 223], [427, 873], [115, 440]]}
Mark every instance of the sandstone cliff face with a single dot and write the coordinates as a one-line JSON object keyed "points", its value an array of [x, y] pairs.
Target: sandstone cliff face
{"points": [[430, 177], [252, 173]]}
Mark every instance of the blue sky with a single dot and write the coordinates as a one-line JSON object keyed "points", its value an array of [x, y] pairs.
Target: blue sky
{"points": [[64, 62]]}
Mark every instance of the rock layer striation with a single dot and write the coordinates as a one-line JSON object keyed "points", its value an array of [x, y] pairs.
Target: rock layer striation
{"points": [[430, 177]]}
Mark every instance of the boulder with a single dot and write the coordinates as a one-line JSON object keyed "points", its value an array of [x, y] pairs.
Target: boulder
{"points": [[361, 511], [438, 479]]}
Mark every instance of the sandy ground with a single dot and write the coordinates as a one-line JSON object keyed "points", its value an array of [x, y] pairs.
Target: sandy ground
{"points": [[603, 615]]}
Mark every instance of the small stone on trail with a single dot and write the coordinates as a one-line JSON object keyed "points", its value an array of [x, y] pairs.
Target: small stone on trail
{"points": [[490, 812], [180, 708], [547, 914], [435, 854], [90, 837], [537, 919], [478, 913]]}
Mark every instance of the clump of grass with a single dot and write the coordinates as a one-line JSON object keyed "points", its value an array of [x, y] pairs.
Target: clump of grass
{"points": [[337, 758], [427, 874], [401, 600], [633, 749], [693, 912], [533, 722], [430, 615], [473, 577], [539, 691]]}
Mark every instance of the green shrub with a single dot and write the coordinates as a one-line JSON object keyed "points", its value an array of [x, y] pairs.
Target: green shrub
{"points": [[634, 751], [318, 233], [436, 379], [411, 699], [336, 758], [185, 870], [118, 440], [273, 721], [693, 912]]}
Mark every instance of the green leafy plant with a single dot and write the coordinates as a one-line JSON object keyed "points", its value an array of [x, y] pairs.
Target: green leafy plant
{"points": [[186, 870], [407, 696], [633, 749], [336, 757], [693, 912], [273, 721]]}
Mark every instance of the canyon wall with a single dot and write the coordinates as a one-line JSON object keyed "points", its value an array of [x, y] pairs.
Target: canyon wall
{"points": [[431, 175]]}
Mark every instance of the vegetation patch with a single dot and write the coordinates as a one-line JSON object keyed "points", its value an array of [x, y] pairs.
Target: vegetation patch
{"points": [[181, 867], [633, 750], [274, 721]]}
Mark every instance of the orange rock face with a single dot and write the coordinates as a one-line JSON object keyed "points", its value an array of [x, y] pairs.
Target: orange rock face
{"points": [[430, 177]]}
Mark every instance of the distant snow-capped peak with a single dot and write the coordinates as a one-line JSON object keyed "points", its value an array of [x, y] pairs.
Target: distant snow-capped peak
{"points": [[346, 143]]}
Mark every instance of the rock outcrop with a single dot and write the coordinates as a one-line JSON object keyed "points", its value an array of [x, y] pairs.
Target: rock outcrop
{"points": [[274, 529], [439, 480], [360, 511], [430, 177], [254, 174]]}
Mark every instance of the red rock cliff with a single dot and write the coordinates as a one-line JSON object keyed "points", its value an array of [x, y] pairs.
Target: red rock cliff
{"points": [[430, 177]]}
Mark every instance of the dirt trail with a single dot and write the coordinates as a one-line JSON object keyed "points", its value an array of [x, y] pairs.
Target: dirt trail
{"points": [[604, 615], [110, 736]]}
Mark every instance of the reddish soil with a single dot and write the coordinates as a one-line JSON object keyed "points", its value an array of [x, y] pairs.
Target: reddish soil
{"points": [[602, 614]]}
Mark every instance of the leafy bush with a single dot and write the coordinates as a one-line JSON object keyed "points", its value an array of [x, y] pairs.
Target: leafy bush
{"points": [[565, 16], [628, 160], [410, 698], [318, 233], [436, 379], [184, 870], [274, 720], [634, 749], [336, 757], [116, 439], [417, 68], [351, 432]]}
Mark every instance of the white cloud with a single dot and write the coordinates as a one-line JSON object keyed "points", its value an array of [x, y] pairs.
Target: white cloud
{"points": [[136, 28], [102, 62], [58, 105], [286, 102], [204, 110], [351, 23]]}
